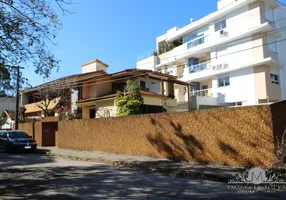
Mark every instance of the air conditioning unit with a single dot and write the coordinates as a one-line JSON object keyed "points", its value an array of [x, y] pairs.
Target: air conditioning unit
{"points": [[223, 33]]}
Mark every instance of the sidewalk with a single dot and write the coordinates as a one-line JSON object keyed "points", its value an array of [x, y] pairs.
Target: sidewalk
{"points": [[165, 166]]}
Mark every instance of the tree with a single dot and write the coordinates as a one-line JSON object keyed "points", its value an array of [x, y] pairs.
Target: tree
{"points": [[130, 103], [27, 28], [56, 93]]}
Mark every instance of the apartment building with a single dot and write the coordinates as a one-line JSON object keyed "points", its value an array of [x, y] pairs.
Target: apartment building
{"points": [[234, 56]]}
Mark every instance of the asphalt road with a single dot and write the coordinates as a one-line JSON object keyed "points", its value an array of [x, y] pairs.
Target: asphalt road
{"points": [[32, 176]]}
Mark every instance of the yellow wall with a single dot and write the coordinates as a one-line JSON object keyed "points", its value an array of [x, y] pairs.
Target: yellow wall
{"points": [[33, 107], [263, 85], [97, 90], [150, 100]]}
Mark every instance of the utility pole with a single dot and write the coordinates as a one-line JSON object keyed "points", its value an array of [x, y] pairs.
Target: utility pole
{"points": [[17, 99]]}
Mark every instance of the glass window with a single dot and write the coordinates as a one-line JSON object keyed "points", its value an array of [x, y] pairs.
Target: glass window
{"points": [[92, 113], [274, 79], [220, 25], [142, 84], [199, 34], [224, 81], [18, 134]]}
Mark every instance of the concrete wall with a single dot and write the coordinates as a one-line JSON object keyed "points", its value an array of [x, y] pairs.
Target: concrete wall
{"points": [[34, 130], [204, 136]]}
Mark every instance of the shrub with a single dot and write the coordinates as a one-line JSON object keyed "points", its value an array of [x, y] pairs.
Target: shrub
{"points": [[129, 104]]}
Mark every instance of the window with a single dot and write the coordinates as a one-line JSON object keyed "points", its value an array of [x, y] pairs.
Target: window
{"points": [[224, 81], [274, 79], [142, 84], [80, 91], [196, 38], [92, 113], [196, 43], [220, 25]]}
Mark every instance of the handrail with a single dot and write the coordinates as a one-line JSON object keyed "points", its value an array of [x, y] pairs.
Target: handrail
{"points": [[205, 92]]}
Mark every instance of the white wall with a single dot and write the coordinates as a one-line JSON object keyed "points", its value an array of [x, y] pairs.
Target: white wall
{"points": [[148, 63], [281, 46], [241, 88], [223, 3], [7, 104], [236, 23], [155, 87]]}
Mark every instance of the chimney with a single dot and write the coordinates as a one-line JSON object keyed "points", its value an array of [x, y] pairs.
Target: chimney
{"points": [[93, 66]]}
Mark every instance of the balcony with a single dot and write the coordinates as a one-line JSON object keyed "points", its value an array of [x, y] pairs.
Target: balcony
{"points": [[202, 93], [199, 67]]}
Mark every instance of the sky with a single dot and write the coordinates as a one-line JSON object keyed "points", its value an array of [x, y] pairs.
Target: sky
{"points": [[117, 32]]}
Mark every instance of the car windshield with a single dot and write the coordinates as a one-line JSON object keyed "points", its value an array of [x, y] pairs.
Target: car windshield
{"points": [[18, 134]]}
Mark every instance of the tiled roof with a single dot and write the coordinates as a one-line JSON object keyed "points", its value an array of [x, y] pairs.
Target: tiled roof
{"points": [[73, 78]]}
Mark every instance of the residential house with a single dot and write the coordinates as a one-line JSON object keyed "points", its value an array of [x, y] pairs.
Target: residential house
{"points": [[7, 119], [234, 56], [92, 93], [31, 98]]}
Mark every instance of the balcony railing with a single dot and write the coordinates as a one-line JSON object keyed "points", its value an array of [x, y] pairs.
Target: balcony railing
{"points": [[199, 67], [202, 93]]}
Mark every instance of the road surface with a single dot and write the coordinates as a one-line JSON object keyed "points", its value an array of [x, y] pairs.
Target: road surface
{"points": [[34, 176]]}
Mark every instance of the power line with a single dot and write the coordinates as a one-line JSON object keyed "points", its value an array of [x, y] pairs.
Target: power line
{"points": [[126, 78]]}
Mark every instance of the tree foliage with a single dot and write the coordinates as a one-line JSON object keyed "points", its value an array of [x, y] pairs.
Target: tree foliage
{"points": [[130, 103], [27, 29]]}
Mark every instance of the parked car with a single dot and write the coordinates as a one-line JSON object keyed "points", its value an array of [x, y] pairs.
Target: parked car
{"points": [[17, 141]]}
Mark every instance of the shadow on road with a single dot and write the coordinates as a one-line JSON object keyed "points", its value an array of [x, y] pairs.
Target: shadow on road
{"points": [[24, 159], [101, 182]]}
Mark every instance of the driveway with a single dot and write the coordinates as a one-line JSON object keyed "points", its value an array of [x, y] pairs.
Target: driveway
{"points": [[34, 176]]}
